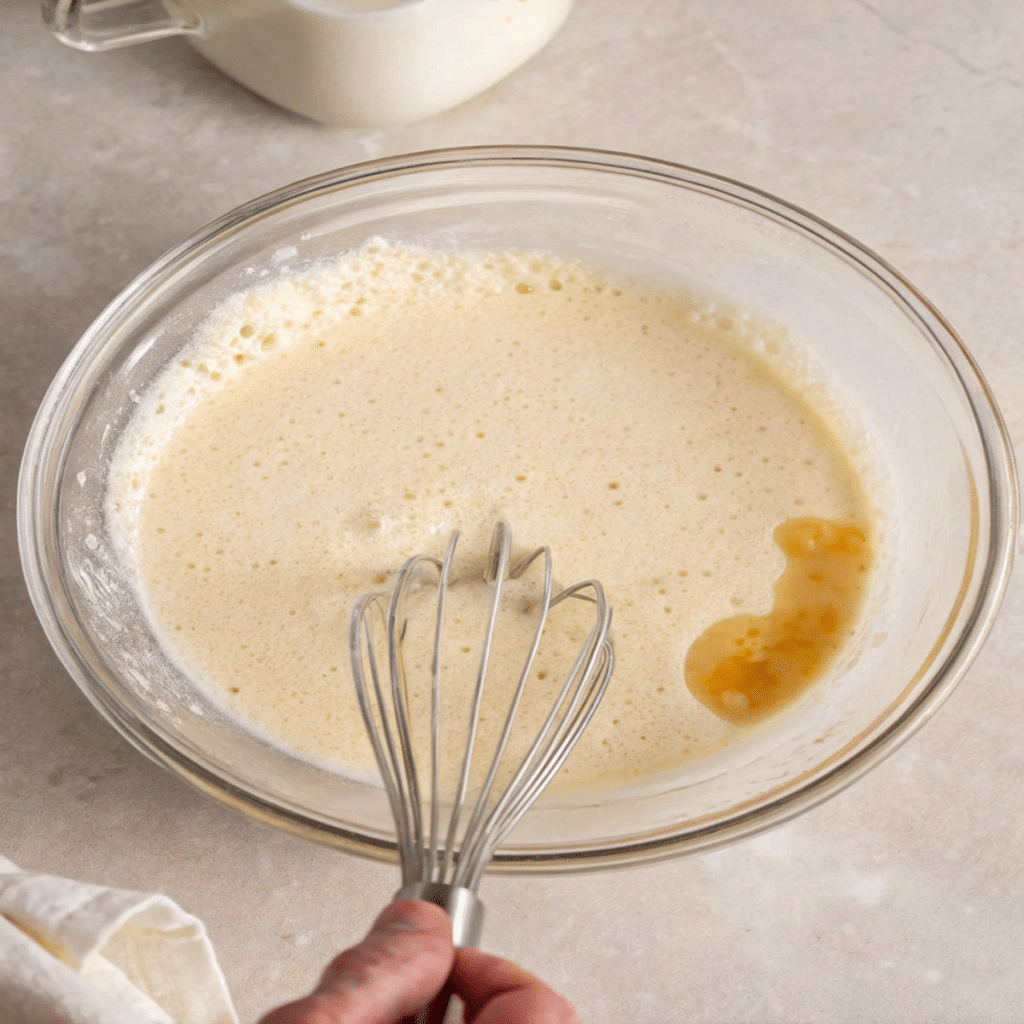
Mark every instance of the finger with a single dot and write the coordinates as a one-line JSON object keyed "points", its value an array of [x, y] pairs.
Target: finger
{"points": [[496, 991], [396, 969], [437, 1011]]}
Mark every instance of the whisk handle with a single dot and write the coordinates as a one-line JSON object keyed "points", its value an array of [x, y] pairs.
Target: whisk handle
{"points": [[462, 905]]}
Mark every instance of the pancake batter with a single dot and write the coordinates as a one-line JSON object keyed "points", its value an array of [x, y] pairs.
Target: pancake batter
{"points": [[321, 429]]}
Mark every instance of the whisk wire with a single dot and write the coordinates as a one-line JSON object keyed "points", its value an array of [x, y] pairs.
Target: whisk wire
{"points": [[570, 712], [433, 871], [483, 799], [396, 627], [361, 643], [545, 767], [498, 559]]}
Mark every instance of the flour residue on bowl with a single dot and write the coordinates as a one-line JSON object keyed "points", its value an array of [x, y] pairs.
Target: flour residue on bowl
{"points": [[322, 428]]}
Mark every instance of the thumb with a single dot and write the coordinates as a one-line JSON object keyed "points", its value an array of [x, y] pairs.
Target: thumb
{"points": [[395, 970]]}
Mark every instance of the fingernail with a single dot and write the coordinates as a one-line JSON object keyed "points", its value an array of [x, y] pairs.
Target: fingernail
{"points": [[403, 916]]}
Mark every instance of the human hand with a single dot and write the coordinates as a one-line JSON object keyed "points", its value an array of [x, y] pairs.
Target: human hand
{"points": [[404, 962]]}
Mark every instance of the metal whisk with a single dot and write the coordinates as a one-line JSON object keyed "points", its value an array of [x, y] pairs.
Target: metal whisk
{"points": [[444, 865]]}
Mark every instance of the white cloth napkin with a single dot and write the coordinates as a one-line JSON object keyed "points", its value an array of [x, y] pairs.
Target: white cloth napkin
{"points": [[72, 953]]}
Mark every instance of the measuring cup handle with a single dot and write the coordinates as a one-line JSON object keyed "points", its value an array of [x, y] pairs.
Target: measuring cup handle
{"points": [[107, 24]]}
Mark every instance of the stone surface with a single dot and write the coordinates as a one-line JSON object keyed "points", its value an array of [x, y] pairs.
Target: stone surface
{"points": [[902, 122]]}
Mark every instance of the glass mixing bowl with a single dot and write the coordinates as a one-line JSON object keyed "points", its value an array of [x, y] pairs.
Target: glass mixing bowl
{"points": [[923, 409]]}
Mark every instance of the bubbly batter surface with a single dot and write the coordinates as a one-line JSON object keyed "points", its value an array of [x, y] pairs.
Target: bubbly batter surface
{"points": [[325, 427]]}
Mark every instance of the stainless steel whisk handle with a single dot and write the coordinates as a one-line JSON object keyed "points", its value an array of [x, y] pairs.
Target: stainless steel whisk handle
{"points": [[462, 905], [466, 911]]}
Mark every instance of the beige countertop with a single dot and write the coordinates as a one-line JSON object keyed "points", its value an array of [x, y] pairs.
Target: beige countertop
{"points": [[899, 121]]}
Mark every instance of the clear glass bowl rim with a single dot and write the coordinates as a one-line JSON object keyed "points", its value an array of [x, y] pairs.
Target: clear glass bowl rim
{"points": [[41, 463]]}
